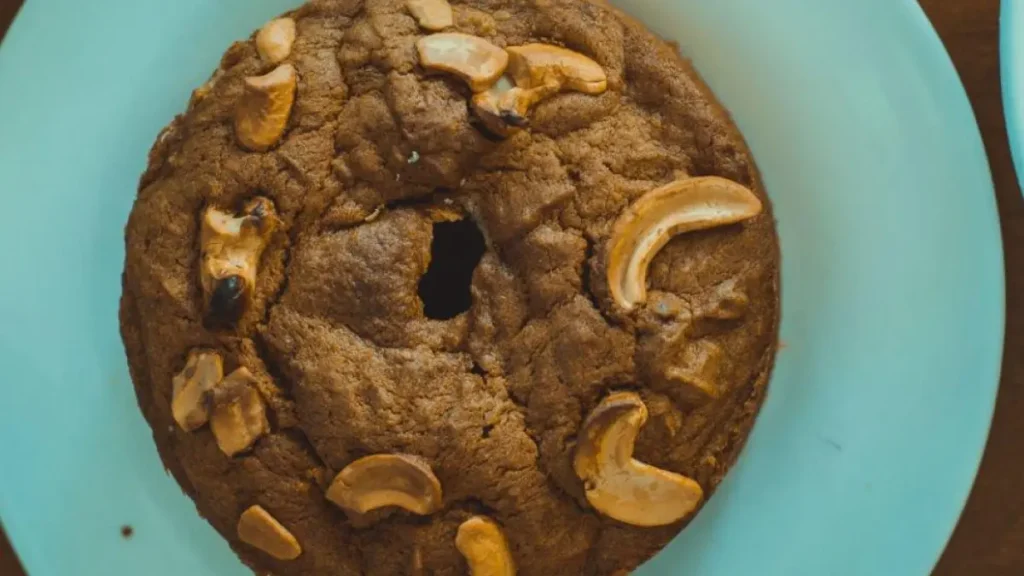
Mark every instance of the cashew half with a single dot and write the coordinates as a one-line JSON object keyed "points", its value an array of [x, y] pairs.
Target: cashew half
{"points": [[274, 41], [432, 14], [256, 527], [619, 486], [387, 480], [471, 58], [265, 107], [649, 223], [191, 388], [231, 250], [483, 544], [239, 417]]}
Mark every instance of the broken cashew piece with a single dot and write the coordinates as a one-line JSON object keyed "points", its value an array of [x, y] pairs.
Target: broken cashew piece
{"points": [[231, 249], [498, 107], [239, 417], [256, 527], [483, 544], [191, 388], [649, 223], [432, 15], [387, 480], [471, 58], [274, 41], [265, 107], [619, 486]]}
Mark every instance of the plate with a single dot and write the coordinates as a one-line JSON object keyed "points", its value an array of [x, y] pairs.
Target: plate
{"points": [[892, 284], [1011, 60]]}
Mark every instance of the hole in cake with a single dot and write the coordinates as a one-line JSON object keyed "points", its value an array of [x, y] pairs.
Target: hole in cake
{"points": [[454, 254]]}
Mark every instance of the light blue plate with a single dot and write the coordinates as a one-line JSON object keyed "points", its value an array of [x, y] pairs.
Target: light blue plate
{"points": [[1011, 59], [893, 287]]}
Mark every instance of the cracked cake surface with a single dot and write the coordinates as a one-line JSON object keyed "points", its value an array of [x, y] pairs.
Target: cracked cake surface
{"points": [[388, 315]]}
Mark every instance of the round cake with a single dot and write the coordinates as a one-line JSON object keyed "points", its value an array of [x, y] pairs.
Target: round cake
{"points": [[485, 287]]}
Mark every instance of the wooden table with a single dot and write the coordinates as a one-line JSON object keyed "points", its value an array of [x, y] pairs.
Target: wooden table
{"points": [[990, 538]]}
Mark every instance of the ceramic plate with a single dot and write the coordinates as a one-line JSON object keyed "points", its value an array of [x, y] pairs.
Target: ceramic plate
{"points": [[892, 284], [1011, 57]]}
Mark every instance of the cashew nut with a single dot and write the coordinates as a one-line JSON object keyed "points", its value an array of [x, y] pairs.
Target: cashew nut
{"points": [[536, 65], [274, 41], [256, 527], [231, 250], [481, 541], [387, 480], [265, 107], [649, 223], [471, 58], [239, 417], [431, 14], [542, 70], [618, 485], [191, 387]]}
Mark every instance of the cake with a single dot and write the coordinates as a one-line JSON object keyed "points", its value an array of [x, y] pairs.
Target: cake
{"points": [[485, 287]]}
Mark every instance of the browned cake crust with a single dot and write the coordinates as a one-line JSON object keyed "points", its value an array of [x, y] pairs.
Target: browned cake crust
{"points": [[377, 155]]}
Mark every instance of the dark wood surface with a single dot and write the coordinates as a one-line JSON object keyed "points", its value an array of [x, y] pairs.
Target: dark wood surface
{"points": [[990, 538], [8, 561]]}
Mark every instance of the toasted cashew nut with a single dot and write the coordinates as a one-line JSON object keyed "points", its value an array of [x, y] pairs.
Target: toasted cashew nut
{"points": [[649, 223], [263, 111], [192, 386], [431, 14], [274, 41], [538, 65], [239, 416], [535, 72], [616, 484], [542, 70], [483, 544], [256, 527], [471, 58], [387, 480], [231, 249]]}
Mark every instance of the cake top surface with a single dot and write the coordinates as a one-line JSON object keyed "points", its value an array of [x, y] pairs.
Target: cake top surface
{"points": [[416, 285]]}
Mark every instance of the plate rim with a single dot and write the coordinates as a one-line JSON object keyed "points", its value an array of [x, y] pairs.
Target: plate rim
{"points": [[931, 35], [1012, 81]]}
